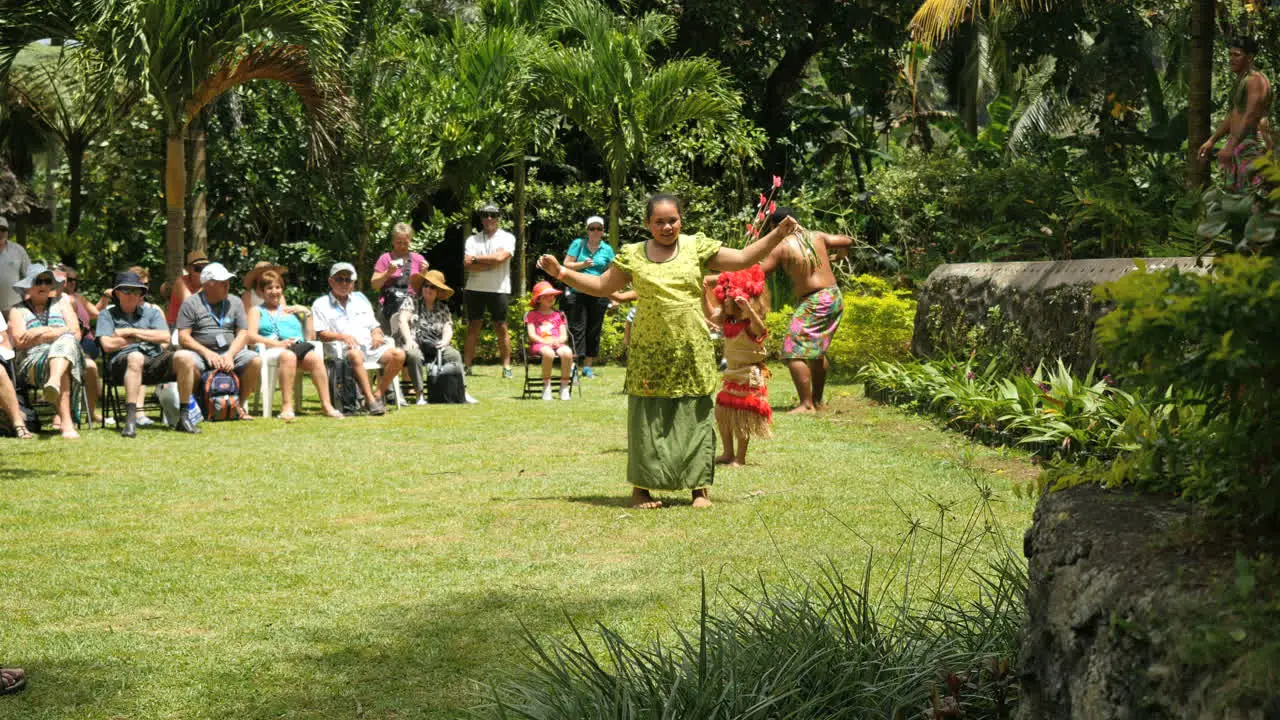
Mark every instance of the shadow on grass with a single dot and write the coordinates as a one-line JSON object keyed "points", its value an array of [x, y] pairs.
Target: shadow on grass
{"points": [[32, 473], [620, 501], [429, 660]]}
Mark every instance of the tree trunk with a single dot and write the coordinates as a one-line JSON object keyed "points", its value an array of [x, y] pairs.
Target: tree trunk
{"points": [[969, 89], [362, 269], [75, 160], [198, 211], [615, 211], [1200, 96], [175, 197], [521, 171], [783, 82]]}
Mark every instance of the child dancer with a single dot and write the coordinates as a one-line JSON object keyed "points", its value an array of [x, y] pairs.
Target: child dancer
{"points": [[549, 337], [742, 406]]}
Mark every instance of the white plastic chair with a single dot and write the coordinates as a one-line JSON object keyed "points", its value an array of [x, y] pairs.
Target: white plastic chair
{"points": [[267, 382], [338, 349]]}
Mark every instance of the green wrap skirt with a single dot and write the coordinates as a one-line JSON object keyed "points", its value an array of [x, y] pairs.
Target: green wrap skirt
{"points": [[671, 442]]}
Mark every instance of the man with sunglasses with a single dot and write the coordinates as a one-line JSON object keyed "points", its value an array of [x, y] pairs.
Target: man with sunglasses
{"points": [[487, 259], [345, 322], [13, 267], [186, 286], [136, 335]]}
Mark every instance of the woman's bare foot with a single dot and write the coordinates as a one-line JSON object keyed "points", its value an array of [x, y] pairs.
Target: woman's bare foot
{"points": [[701, 498], [287, 416], [642, 500], [334, 413], [726, 459]]}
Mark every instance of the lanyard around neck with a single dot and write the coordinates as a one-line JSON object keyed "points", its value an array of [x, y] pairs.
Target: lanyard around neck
{"points": [[224, 307]]}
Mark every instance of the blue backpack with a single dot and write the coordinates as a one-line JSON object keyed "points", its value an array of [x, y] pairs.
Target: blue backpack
{"points": [[219, 393]]}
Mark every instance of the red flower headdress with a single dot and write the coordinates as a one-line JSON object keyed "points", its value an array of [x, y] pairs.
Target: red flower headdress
{"points": [[743, 283]]}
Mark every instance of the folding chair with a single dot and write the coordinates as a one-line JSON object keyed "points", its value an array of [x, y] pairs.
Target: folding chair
{"points": [[533, 375]]}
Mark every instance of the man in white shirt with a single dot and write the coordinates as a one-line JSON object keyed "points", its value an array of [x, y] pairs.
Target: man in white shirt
{"points": [[345, 321], [13, 267], [487, 258]]}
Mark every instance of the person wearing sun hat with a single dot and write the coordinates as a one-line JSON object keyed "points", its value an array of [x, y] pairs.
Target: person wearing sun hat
{"points": [[186, 286], [213, 325], [428, 325], [136, 335], [46, 336], [251, 298], [590, 255], [548, 334], [14, 263]]}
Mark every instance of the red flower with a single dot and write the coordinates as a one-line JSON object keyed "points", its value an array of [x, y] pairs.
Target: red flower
{"points": [[773, 207], [777, 181], [763, 201], [750, 227], [743, 283], [760, 216]]}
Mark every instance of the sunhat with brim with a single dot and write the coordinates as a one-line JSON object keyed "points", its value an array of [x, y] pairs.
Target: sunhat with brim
{"points": [[126, 280], [490, 209], [436, 279], [196, 256], [33, 272], [542, 288], [260, 267], [595, 220]]}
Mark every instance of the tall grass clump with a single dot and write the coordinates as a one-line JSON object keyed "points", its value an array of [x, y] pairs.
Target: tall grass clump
{"points": [[935, 637]]}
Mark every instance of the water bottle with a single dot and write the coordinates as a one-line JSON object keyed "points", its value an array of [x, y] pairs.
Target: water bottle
{"points": [[193, 411]]}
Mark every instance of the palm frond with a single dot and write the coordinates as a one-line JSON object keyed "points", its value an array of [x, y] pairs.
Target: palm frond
{"points": [[938, 18]]}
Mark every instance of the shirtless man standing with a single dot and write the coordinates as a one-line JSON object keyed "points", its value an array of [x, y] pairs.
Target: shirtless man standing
{"points": [[1245, 124], [818, 315]]}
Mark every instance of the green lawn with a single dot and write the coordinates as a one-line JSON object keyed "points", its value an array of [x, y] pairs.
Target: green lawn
{"points": [[385, 567]]}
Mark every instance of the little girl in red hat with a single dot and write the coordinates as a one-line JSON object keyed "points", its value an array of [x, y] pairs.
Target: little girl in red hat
{"points": [[549, 337], [742, 405]]}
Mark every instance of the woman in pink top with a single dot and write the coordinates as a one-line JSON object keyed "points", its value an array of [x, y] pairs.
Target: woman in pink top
{"points": [[549, 337], [392, 271]]}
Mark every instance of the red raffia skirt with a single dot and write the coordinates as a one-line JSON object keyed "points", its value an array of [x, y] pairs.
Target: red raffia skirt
{"points": [[744, 408]]}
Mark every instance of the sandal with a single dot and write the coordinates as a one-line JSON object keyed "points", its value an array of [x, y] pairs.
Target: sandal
{"points": [[287, 416], [22, 433], [12, 680]]}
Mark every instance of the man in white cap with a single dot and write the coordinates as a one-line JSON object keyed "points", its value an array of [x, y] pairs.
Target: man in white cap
{"points": [[345, 322], [487, 259], [212, 324], [13, 267]]}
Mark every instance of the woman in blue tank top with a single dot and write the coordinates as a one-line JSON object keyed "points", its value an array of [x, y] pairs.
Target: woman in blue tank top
{"points": [[277, 328]]}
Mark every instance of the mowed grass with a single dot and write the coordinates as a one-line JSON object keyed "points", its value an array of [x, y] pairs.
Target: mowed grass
{"points": [[387, 567]]}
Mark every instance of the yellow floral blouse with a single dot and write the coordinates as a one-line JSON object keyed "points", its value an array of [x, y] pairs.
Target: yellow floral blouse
{"points": [[671, 354]]}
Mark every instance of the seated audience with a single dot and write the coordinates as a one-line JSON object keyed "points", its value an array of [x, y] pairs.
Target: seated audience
{"points": [[68, 281], [212, 324], [548, 332], [46, 336], [8, 395], [277, 327], [427, 323], [136, 335], [345, 321]]}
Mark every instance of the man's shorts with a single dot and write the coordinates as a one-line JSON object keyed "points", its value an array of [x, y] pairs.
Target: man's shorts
{"points": [[156, 369], [495, 304], [814, 323], [374, 354], [242, 359]]}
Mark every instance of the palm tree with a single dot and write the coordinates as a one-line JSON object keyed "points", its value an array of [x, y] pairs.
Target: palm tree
{"points": [[76, 95], [608, 86], [191, 51], [937, 18]]}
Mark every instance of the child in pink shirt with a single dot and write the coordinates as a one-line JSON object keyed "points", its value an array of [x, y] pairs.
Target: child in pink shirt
{"points": [[549, 337]]}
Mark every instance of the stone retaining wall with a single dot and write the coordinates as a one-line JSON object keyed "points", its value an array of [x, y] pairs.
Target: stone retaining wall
{"points": [[1032, 311]]}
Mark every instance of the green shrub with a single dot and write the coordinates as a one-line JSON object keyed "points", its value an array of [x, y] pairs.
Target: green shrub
{"points": [[830, 650], [1214, 342]]}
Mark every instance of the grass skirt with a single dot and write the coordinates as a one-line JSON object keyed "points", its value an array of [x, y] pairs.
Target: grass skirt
{"points": [[671, 442]]}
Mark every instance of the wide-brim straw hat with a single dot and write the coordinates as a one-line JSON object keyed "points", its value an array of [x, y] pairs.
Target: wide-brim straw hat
{"points": [[436, 278], [251, 277], [33, 272], [542, 288]]}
